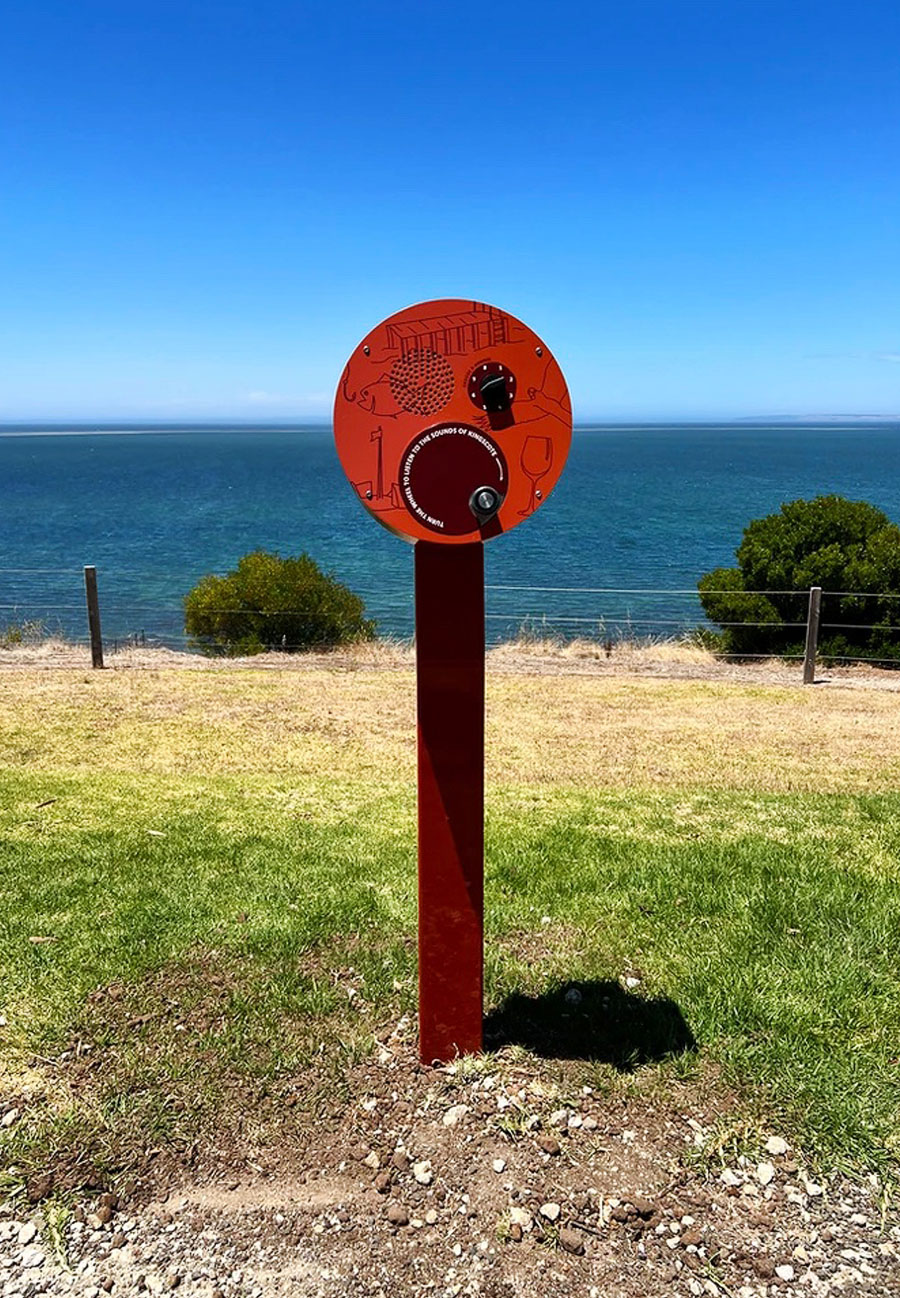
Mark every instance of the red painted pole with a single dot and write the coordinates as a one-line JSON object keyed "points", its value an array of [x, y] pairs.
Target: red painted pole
{"points": [[450, 701]]}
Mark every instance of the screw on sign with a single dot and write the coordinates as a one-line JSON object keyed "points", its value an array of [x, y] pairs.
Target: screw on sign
{"points": [[452, 422]]}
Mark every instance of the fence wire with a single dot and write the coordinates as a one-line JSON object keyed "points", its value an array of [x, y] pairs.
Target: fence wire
{"points": [[626, 614]]}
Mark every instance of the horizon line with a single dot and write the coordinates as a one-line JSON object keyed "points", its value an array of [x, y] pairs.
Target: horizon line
{"points": [[110, 423]]}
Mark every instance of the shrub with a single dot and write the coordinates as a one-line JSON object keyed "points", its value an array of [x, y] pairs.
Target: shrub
{"points": [[840, 545], [22, 633], [268, 602]]}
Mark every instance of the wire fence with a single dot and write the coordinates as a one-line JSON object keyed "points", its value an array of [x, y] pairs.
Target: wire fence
{"points": [[41, 602]]}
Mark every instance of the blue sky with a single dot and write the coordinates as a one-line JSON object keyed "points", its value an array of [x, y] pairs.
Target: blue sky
{"points": [[203, 206]]}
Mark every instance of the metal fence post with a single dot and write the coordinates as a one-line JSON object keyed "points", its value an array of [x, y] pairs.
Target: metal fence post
{"points": [[812, 634], [93, 612]]}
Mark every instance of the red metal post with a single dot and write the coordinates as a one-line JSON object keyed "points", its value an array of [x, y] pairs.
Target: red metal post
{"points": [[450, 701]]}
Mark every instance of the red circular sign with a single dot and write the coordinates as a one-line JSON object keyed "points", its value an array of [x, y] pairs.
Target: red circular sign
{"points": [[444, 401]]}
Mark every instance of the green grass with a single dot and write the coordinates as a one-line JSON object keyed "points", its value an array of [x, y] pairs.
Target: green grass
{"points": [[208, 932]]}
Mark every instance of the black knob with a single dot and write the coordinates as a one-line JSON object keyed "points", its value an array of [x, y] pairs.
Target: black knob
{"points": [[495, 395], [484, 502]]}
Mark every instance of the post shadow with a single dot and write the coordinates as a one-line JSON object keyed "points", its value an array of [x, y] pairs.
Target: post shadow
{"points": [[594, 1020]]}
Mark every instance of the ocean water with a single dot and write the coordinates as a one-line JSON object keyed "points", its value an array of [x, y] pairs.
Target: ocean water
{"points": [[639, 514]]}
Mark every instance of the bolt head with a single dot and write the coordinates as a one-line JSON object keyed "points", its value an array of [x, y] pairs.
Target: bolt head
{"points": [[486, 500]]}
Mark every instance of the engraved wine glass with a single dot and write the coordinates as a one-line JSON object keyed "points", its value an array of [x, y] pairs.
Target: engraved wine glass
{"points": [[537, 458]]}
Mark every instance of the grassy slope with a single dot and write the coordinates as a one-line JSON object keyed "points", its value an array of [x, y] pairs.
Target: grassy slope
{"points": [[234, 852]]}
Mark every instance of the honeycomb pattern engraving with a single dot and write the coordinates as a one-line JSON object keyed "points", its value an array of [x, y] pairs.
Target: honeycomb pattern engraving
{"points": [[421, 382]]}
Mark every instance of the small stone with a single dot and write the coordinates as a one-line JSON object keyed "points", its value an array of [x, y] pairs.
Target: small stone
{"points": [[548, 1144], [764, 1267], [785, 1271], [431, 1216], [400, 1160], [776, 1146], [9, 1117], [812, 1189], [589, 1124], [171, 1280], [359, 1152], [644, 1207], [382, 1182], [765, 1172], [691, 1236], [27, 1232], [571, 1241], [499, 1165], [397, 1215], [515, 1232], [619, 1214], [32, 1257], [521, 1217], [422, 1172], [559, 1118], [455, 1115], [372, 1160], [118, 1240], [550, 1210]]}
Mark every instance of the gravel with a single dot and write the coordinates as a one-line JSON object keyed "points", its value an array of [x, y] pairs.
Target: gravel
{"points": [[472, 1207]]}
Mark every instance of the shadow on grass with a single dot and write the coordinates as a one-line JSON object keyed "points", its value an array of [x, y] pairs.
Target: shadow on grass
{"points": [[599, 1021]]}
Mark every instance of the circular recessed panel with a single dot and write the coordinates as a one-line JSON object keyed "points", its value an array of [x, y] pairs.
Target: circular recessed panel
{"points": [[440, 471], [482, 375], [441, 399]]}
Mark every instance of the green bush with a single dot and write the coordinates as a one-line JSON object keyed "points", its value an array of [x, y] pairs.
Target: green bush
{"points": [[840, 545], [268, 602]]}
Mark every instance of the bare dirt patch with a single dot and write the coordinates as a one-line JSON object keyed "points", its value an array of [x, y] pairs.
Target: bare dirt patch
{"points": [[501, 1175], [495, 1176]]}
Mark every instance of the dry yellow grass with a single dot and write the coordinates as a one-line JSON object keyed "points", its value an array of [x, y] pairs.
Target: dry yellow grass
{"points": [[353, 721]]}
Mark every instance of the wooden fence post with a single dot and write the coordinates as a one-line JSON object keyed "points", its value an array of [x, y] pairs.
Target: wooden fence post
{"points": [[812, 634], [93, 612]]}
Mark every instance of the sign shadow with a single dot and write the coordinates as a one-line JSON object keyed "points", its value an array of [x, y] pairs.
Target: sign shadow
{"points": [[595, 1020]]}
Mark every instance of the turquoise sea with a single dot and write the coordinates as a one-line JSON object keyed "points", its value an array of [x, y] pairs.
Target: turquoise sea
{"points": [[639, 514]]}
